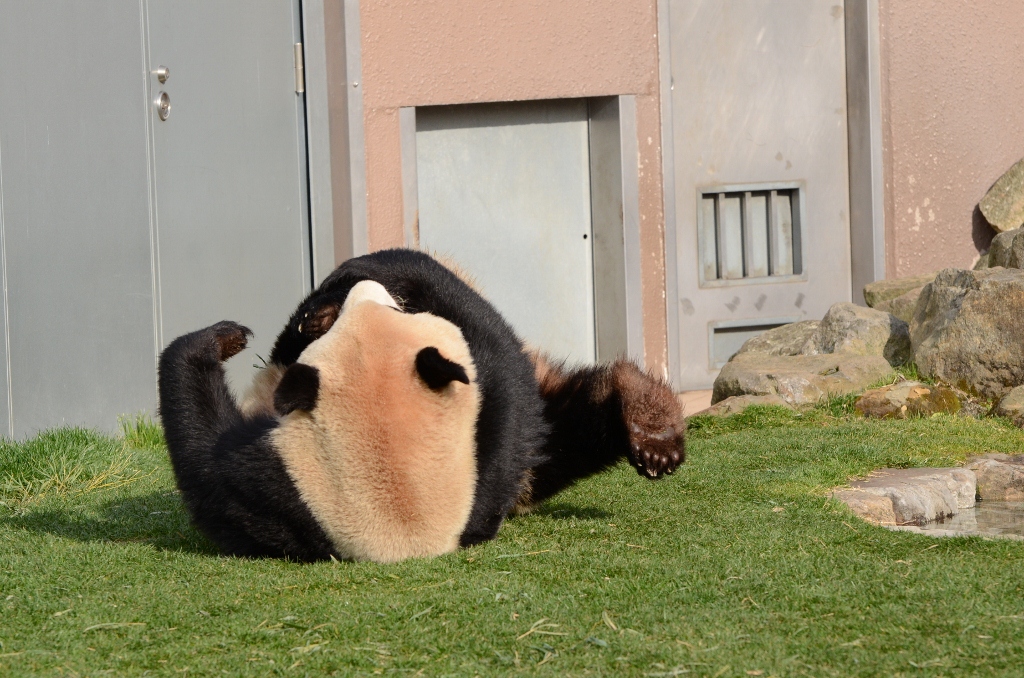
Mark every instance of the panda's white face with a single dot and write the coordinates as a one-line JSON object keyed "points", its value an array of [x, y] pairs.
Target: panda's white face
{"points": [[384, 452]]}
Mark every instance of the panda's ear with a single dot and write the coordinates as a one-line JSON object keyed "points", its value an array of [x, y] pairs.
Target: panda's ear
{"points": [[436, 371], [298, 389]]}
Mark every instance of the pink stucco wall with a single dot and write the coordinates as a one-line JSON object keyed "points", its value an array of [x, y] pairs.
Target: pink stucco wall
{"points": [[953, 116], [428, 52]]}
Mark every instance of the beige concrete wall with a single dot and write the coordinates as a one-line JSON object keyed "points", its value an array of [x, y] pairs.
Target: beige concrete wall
{"points": [[429, 52], [953, 118]]}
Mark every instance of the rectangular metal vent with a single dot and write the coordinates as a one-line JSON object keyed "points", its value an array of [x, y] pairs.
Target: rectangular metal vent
{"points": [[750, 234], [726, 340]]}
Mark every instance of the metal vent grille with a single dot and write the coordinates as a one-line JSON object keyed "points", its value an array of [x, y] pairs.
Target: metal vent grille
{"points": [[750, 234]]}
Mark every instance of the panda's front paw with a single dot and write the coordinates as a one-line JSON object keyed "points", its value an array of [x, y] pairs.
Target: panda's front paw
{"points": [[654, 453], [231, 338], [653, 418]]}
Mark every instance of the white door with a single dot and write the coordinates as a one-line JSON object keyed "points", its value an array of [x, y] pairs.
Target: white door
{"points": [[504, 189], [759, 171], [229, 168]]}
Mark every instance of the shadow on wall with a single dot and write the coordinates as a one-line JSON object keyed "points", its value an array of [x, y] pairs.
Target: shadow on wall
{"points": [[981, 232]]}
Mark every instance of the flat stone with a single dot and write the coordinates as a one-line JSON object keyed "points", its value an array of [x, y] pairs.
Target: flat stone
{"points": [[799, 380], [736, 404], [1012, 405], [851, 329], [902, 306], [917, 495], [999, 480], [907, 399], [967, 330], [788, 339], [1003, 205], [1007, 250], [884, 290]]}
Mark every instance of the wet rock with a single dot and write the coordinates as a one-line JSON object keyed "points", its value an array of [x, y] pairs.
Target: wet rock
{"points": [[1011, 406], [907, 399], [852, 329], [902, 306], [1007, 250], [884, 290], [967, 330], [799, 380], [788, 339], [1003, 205], [999, 480], [736, 404], [916, 495]]}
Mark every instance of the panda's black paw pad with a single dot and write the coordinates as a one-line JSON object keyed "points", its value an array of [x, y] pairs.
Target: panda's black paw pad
{"points": [[656, 452], [316, 322], [231, 338]]}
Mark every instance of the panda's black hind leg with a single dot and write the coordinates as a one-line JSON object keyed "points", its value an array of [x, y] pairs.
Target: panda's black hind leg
{"points": [[599, 414]]}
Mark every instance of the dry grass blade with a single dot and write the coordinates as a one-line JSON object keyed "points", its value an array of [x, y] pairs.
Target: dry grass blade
{"points": [[111, 625], [540, 627]]}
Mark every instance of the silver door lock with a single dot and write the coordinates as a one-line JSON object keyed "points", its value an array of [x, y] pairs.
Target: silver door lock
{"points": [[163, 105], [162, 73]]}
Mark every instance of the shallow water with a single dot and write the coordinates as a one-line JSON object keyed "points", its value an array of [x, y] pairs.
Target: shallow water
{"points": [[991, 518]]}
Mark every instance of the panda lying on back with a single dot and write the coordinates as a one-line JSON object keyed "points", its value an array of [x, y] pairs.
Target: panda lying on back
{"points": [[260, 484]]}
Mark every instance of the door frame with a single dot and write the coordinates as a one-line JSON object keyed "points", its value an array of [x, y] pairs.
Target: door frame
{"points": [[864, 133]]}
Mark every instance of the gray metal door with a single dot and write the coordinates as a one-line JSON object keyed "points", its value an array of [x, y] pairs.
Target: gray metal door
{"points": [[229, 168], [758, 171], [78, 322], [504, 189]]}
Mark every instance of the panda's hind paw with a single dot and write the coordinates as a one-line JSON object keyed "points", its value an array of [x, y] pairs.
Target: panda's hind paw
{"points": [[656, 453], [231, 338]]}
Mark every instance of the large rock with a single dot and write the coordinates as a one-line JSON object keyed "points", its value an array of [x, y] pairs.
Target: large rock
{"points": [[789, 339], [848, 328], [1007, 250], [911, 496], [999, 479], [902, 306], [884, 290], [799, 380], [1003, 205], [968, 330], [907, 399]]}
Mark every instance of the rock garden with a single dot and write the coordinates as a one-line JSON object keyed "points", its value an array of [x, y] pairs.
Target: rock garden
{"points": [[949, 343]]}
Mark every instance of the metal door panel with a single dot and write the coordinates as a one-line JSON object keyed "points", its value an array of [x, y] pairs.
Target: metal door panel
{"points": [[505, 190], [76, 227], [229, 167], [758, 99]]}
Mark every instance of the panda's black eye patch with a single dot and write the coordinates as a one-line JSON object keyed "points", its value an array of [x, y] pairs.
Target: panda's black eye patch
{"points": [[298, 389], [436, 371]]}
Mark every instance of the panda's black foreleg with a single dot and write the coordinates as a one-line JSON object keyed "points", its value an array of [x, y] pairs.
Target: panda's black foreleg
{"points": [[232, 481], [599, 414]]}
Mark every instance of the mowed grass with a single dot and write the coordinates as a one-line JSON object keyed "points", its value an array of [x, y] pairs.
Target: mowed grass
{"points": [[738, 565]]}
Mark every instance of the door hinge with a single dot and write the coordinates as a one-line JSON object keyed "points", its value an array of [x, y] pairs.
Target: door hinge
{"points": [[300, 70]]}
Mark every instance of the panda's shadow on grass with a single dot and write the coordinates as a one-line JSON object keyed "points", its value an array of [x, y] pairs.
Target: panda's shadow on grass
{"points": [[157, 518], [562, 511]]}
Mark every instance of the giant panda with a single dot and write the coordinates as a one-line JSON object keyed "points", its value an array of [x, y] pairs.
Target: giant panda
{"points": [[369, 453], [542, 425]]}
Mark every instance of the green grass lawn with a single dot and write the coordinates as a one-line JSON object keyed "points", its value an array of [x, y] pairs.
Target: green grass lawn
{"points": [[735, 566]]}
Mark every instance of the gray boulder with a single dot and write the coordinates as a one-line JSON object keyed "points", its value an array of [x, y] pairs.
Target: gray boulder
{"points": [[788, 339], [852, 329], [1007, 250], [799, 380], [1003, 205], [967, 330], [884, 290]]}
